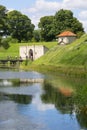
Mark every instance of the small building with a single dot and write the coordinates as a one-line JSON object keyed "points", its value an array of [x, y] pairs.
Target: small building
{"points": [[32, 52], [66, 37]]}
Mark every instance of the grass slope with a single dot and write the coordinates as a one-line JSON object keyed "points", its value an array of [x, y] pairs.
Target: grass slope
{"points": [[74, 54]]}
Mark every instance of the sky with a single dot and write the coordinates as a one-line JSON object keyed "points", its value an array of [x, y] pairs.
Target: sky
{"points": [[35, 9]]}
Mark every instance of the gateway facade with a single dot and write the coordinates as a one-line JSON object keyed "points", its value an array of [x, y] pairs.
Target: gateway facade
{"points": [[32, 52]]}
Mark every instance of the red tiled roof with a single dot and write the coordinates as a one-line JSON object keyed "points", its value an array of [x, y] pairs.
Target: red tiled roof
{"points": [[66, 33]]}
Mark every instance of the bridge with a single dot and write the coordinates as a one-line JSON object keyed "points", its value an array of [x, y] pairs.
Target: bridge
{"points": [[10, 62]]}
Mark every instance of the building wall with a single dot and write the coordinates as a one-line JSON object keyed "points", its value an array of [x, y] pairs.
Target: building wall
{"points": [[38, 51], [66, 40]]}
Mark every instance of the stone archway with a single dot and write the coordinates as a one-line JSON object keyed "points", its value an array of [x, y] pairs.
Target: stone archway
{"points": [[31, 54]]}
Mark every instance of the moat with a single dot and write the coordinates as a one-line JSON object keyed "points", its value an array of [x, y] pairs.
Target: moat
{"points": [[33, 101]]}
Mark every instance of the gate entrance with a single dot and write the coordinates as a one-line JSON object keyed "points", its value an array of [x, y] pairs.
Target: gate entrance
{"points": [[31, 54]]}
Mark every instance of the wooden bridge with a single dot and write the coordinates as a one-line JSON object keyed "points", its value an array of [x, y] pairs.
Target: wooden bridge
{"points": [[10, 62]]}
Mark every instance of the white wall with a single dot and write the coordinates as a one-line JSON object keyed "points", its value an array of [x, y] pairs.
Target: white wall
{"points": [[38, 51], [66, 40]]}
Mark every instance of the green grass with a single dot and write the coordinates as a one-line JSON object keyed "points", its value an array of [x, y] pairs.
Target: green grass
{"points": [[13, 50], [74, 54], [67, 58]]}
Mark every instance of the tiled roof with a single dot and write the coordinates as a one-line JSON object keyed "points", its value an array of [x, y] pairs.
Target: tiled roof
{"points": [[66, 33]]}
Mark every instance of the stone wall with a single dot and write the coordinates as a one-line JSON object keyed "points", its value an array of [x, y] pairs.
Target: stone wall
{"points": [[38, 51]]}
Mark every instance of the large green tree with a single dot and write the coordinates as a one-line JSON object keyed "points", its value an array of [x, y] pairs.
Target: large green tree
{"points": [[3, 21], [20, 26], [64, 20], [46, 24], [36, 35]]}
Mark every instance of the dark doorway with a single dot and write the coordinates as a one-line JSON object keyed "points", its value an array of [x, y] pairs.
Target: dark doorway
{"points": [[31, 54]]}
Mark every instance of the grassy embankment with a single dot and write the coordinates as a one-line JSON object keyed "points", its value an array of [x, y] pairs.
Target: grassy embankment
{"points": [[69, 59], [13, 51]]}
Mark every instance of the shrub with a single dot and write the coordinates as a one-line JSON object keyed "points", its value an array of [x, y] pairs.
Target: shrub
{"points": [[4, 43]]}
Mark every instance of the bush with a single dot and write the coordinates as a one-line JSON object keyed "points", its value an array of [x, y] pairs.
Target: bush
{"points": [[4, 43], [11, 40]]}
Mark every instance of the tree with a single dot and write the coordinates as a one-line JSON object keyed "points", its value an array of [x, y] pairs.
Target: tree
{"points": [[37, 35], [3, 21], [64, 20], [20, 26], [46, 24]]}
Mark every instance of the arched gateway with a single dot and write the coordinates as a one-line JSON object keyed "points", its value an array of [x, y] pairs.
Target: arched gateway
{"points": [[31, 54]]}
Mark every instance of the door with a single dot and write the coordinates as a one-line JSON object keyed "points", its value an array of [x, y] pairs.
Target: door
{"points": [[31, 54]]}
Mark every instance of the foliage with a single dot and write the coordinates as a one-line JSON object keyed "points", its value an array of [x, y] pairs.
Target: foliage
{"points": [[3, 21], [45, 24], [4, 43], [20, 26], [11, 40], [15, 24], [36, 35], [64, 20]]}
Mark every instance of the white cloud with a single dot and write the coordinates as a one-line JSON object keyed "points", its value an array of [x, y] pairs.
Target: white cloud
{"points": [[83, 19], [84, 24], [10, 9], [83, 15], [41, 106], [81, 4], [41, 8], [36, 19], [42, 5], [45, 8]]}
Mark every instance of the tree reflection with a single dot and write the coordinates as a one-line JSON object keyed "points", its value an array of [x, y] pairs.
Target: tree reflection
{"points": [[22, 99], [52, 95], [82, 116], [68, 103]]}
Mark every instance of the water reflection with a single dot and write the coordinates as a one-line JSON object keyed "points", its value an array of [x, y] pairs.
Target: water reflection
{"points": [[43, 103], [81, 116], [22, 99], [63, 103], [70, 98], [20, 75]]}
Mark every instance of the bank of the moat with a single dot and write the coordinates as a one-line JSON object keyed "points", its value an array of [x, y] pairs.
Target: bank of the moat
{"points": [[75, 71]]}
